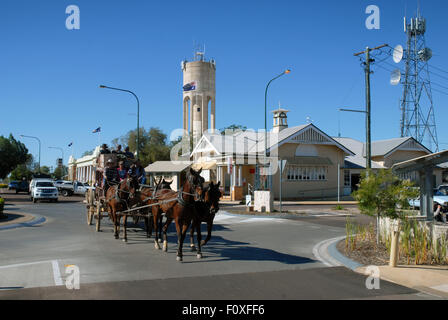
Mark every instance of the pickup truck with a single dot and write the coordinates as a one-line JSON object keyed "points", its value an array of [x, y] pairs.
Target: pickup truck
{"points": [[69, 188]]}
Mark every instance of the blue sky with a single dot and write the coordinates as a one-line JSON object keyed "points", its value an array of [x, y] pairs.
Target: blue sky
{"points": [[49, 76]]}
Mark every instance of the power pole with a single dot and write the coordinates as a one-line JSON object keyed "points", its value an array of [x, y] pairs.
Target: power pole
{"points": [[368, 102]]}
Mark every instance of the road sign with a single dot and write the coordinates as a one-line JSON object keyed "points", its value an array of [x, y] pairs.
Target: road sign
{"points": [[248, 200]]}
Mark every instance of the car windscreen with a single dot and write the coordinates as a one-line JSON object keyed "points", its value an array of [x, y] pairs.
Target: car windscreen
{"points": [[44, 184]]}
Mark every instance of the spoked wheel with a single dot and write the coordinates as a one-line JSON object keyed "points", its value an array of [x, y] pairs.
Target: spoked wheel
{"points": [[98, 216]]}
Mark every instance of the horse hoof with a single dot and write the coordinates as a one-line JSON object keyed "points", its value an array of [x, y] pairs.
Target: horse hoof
{"points": [[125, 240], [199, 256], [203, 243], [179, 258], [156, 245]]}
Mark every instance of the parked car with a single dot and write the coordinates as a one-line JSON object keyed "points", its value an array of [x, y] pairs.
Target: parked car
{"points": [[68, 188], [443, 188], [13, 185], [438, 198], [22, 186], [44, 189]]}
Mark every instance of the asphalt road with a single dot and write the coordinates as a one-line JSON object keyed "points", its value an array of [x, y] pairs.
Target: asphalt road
{"points": [[248, 257]]}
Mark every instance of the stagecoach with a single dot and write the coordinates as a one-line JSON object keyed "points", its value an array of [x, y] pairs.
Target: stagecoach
{"points": [[184, 206]]}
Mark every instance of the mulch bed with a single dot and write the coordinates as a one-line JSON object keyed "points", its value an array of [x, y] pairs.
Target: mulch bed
{"points": [[368, 253]]}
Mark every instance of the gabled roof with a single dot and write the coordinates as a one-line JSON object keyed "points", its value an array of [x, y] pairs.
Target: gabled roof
{"points": [[387, 147], [250, 142], [356, 161]]}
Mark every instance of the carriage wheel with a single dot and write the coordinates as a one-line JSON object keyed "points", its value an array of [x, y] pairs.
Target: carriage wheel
{"points": [[98, 216]]}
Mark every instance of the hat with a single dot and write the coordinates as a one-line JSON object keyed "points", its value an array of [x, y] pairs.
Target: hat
{"points": [[109, 161]]}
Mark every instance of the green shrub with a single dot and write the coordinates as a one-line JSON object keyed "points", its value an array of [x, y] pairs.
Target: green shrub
{"points": [[3, 185]]}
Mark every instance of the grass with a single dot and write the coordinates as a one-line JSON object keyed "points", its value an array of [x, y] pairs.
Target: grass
{"points": [[416, 244], [338, 207]]}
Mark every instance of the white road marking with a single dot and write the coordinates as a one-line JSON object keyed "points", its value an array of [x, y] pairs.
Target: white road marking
{"points": [[24, 264], [320, 251], [56, 273]]}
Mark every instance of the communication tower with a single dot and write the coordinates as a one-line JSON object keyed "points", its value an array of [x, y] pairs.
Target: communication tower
{"points": [[417, 108]]}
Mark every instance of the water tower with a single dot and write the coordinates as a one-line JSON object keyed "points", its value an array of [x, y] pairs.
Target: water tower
{"points": [[198, 94]]}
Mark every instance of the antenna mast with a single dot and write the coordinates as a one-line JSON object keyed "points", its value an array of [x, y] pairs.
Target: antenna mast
{"points": [[417, 108]]}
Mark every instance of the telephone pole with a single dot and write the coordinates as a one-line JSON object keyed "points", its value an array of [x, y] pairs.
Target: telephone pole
{"points": [[368, 101]]}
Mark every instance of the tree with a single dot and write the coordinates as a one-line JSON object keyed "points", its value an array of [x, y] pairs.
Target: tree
{"points": [[381, 193], [153, 144], [233, 128], [21, 171], [12, 154], [59, 172]]}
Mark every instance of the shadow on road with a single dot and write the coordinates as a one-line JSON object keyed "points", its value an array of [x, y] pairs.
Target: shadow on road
{"points": [[243, 251]]}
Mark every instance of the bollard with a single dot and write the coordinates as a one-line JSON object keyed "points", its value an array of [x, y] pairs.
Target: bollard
{"points": [[394, 244]]}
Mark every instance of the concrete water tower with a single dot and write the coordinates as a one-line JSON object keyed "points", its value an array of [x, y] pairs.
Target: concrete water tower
{"points": [[198, 94]]}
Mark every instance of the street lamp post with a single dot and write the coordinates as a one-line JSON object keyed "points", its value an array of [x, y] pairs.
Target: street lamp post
{"points": [[265, 113], [24, 136], [138, 113]]}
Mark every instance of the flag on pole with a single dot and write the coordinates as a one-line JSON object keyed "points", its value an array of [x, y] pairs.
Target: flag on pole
{"points": [[97, 130], [70, 144], [190, 86]]}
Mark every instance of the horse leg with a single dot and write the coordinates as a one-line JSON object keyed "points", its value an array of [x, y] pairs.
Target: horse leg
{"points": [[209, 231], [125, 229], [165, 237], [183, 233], [179, 240], [192, 246], [155, 215], [197, 223], [117, 224]]}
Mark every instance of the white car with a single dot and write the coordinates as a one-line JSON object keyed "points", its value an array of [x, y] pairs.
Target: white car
{"points": [[43, 189], [438, 198]]}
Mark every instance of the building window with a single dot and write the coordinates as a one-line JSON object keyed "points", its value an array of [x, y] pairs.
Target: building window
{"points": [[299, 173]]}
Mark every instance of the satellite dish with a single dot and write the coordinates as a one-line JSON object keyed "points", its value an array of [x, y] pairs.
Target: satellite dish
{"points": [[425, 54], [398, 53], [395, 77]]}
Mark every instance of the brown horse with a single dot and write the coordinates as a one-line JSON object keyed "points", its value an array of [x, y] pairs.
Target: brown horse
{"points": [[119, 198], [179, 206], [145, 195], [206, 211]]}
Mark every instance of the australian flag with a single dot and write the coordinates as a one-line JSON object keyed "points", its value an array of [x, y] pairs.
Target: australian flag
{"points": [[190, 86], [70, 144], [97, 130]]}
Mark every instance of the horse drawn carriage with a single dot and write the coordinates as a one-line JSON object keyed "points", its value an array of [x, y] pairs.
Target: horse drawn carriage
{"points": [[195, 202]]}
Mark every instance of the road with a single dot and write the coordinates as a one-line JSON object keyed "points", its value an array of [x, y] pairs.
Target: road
{"points": [[248, 257]]}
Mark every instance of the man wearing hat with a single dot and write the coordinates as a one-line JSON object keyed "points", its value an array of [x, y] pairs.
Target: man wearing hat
{"points": [[110, 175]]}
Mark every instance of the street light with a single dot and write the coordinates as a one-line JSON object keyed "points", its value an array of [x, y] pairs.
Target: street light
{"points": [[138, 112], [265, 113], [368, 142], [24, 136], [62, 157]]}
